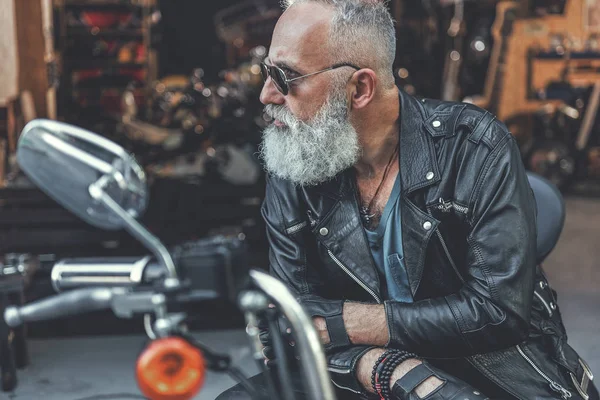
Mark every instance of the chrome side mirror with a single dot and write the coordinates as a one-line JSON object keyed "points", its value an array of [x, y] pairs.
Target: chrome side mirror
{"points": [[91, 176]]}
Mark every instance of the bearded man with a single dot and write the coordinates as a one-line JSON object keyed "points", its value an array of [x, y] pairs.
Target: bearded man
{"points": [[405, 227]]}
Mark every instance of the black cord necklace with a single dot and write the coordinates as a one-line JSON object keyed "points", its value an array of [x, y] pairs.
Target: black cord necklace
{"points": [[366, 213]]}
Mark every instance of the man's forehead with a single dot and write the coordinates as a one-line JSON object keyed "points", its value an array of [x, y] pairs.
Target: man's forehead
{"points": [[301, 34]]}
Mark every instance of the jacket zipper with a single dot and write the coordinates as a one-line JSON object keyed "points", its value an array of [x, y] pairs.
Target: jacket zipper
{"points": [[539, 296], [439, 235], [445, 206], [460, 208], [293, 229], [361, 283], [564, 393], [443, 242]]}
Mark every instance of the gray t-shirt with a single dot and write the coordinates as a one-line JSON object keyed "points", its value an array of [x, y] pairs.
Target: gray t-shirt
{"points": [[386, 247]]}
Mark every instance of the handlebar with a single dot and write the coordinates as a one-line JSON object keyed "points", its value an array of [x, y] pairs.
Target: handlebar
{"points": [[128, 285], [78, 273], [92, 284], [62, 305]]}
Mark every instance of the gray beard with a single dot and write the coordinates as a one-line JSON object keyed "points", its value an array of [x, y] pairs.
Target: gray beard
{"points": [[314, 152]]}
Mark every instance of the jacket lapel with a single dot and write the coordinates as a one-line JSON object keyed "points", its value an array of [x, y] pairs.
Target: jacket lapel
{"points": [[341, 232], [417, 229], [418, 169]]}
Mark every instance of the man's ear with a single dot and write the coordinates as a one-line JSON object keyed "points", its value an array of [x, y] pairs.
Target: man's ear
{"points": [[363, 86]]}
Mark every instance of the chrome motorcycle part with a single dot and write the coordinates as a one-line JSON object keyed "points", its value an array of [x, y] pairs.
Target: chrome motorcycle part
{"points": [[62, 305], [78, 273], [109, 190], [312, 356], [50, 151], [98, 192]]}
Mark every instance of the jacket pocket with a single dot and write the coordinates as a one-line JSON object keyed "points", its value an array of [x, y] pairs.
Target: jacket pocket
{"points": [[400, 276]]}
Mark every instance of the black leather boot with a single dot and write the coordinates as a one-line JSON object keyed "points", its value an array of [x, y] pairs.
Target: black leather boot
{"points": [[451, 389]]}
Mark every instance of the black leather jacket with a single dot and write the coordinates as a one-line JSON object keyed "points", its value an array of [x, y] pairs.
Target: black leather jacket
{"points": [[469, 237]]}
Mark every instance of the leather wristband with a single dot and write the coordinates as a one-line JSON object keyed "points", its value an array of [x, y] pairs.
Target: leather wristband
{"points": [[332, 312], [386, 368], [413, 378]]}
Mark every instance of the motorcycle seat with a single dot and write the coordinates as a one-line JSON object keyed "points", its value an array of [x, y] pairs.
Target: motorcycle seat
{"points": [[550, 214]]}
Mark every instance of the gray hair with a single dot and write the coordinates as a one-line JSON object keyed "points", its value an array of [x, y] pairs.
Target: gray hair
{"points": [[362, 32]]}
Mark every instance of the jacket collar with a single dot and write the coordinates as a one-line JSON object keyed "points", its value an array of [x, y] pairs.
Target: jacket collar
{"points": [[418, 168]]}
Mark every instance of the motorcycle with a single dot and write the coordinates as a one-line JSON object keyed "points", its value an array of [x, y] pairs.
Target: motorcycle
{"points": [[102, 184]]}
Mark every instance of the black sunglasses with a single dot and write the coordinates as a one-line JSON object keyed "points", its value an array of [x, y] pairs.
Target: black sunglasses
{"points": [[281, 81]]}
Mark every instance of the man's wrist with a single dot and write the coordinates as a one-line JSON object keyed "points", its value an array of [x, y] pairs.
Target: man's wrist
{"points": [[327, 316], [364, 368], [365, 323]]}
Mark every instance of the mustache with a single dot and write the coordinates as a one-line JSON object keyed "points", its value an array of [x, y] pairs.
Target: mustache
{"points": [[282, 114]]}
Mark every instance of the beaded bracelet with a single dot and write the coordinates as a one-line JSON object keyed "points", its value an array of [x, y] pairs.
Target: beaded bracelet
{"points": [[384, 372], [379, 360], [382, 357]]}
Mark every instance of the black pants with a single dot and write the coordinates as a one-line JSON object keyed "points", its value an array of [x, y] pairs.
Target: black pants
{"points": [[258, 381]]}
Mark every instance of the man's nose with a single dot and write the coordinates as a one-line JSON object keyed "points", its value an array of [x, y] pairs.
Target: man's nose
{"points": [[270, 95]]}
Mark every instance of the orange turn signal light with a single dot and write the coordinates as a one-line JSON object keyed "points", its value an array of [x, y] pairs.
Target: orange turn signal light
{"points": [[170, 369]]}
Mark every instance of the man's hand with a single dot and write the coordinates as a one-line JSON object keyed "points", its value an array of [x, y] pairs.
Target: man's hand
{"points": [[321, 326], [268, 351]]}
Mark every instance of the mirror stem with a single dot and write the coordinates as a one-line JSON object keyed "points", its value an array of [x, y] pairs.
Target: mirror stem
{"points": [[137, 230]]}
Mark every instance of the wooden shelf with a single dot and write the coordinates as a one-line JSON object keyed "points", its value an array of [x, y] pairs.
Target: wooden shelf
{"points": [[90, 88], [74, 36], [579, 55], [99, 63], [121, 87], [112, 33], [108, 3]]}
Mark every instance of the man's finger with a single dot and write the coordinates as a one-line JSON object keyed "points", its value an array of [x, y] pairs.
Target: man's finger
{"points": [[268, 352], [265, 338], [271, 363]]}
